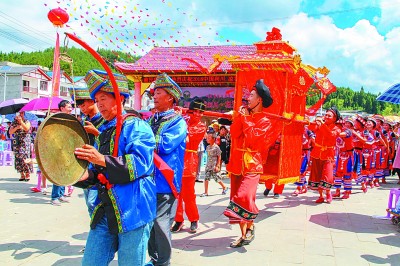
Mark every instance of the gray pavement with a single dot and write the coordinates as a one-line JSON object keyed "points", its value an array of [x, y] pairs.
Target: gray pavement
{"points": [[289, 231]]}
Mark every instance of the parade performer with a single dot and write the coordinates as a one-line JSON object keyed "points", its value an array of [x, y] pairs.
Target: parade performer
{"points": [[391, 141], [326, 133], [125, 206], [270, 183], [308, 140], [170, 131], [358, 143], [368, 153], [91, 117], [187, 198], [381, 151], [91, 120], [252, 133], [344, 160]]}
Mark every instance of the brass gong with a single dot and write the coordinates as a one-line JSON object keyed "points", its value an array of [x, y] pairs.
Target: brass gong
{"points": [[55, 143]]}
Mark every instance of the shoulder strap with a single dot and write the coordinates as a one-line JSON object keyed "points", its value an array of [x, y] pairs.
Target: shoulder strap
{"points": [[125, 116]]}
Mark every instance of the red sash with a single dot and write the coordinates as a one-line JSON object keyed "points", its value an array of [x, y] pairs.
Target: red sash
{"points": [[167, 172]]}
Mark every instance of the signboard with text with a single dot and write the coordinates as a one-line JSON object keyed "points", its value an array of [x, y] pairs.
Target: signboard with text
{"points": [[199, 81]]}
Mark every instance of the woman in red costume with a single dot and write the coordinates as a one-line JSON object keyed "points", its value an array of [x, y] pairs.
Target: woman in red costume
{"points": [[323, 154], [358, 143], [187, 197], [391, 151], [252, 134]]}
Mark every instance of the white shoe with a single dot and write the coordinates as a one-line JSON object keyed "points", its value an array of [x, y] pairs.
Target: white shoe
{"points": [[55, 202], [63, 199]]}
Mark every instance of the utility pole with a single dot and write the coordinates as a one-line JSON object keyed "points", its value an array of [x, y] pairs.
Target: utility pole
{"points": [[5, 84]]}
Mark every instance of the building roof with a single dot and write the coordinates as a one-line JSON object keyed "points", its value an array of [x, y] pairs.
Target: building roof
{"points": [[78, 78], [50, 74], [193, 59], [16, 69]]}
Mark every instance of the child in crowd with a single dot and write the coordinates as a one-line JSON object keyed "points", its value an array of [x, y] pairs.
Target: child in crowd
{"points": [[70, 190], [41, 183], [224, 143], [213, 164]]}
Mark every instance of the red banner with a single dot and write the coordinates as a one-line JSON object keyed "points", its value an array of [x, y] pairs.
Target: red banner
{"points": [[56, 68]]}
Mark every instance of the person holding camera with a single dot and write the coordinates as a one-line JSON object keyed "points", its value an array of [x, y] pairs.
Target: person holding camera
{"points": [[20, 127]]}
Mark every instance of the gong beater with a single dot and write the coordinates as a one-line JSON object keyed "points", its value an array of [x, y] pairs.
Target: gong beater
{"points": [[57, 138]]}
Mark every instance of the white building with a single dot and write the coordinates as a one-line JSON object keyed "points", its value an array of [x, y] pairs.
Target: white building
{"points": [[29, 81]]}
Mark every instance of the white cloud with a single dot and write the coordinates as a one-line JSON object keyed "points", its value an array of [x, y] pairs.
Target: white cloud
{"points": [[390, 14]]}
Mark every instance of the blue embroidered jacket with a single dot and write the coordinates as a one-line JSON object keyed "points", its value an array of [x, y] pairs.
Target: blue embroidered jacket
{"points": [[131, 202], [170, 131]]}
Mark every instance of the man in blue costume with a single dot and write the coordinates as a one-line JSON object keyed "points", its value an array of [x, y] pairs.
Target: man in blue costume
{"points": [[126, 203], [170, 131]]}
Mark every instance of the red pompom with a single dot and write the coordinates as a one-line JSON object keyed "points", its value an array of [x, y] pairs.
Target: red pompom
{"points": [[104, 181]]}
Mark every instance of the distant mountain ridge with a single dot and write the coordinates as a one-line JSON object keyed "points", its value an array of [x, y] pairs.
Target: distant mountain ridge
{"points": [[83, 61]]}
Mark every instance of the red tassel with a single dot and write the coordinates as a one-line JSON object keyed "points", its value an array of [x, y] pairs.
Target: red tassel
{"points": [[102, 178]]}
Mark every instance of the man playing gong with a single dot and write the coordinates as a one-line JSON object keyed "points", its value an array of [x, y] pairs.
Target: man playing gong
{"points": [[125, 206]]}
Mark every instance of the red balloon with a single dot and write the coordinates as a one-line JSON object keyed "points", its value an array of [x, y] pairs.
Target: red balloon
{"points": [[58, 17]]}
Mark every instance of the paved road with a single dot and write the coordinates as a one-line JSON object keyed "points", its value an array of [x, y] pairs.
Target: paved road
{"points": [[289, 231]]}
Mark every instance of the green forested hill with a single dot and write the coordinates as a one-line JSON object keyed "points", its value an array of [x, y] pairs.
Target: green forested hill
{"points": [[347, 99], [343, 98], [83, 61]]}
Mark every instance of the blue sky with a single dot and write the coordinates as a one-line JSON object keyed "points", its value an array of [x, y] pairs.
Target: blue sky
{"points": [[357, 40]]}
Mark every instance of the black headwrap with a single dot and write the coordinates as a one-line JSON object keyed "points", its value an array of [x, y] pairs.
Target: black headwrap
{"points": [[197, 104], [264, 93]]}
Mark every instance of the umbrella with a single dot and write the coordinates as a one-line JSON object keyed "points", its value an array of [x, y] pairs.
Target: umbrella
{"points": [[391, 95], [28, 116], [42, 104], [12, 106]]}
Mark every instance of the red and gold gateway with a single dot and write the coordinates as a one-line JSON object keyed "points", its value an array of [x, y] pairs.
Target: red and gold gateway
{"points": [[226, 73]]}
